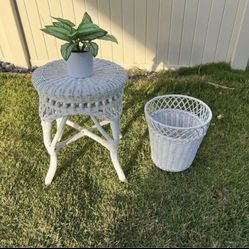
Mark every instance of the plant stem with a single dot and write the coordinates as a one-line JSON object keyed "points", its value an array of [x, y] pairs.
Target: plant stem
{"points": [[78, 47], [83, 46]]}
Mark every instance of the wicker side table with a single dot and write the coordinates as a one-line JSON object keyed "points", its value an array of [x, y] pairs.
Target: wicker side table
{"points": [[99, 96]]}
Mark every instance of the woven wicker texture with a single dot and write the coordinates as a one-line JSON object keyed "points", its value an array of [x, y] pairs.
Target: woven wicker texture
{"points": [[178, 117], [60, 94], [177, 125]]}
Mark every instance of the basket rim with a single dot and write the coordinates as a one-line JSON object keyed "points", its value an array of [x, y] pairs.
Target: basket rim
{"points": [[174, 127]]}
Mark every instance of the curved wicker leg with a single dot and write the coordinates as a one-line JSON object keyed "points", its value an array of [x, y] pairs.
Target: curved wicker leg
{"points": [[114, 149], [46, 128], [52, 168], [51, 145], [58, 122]]}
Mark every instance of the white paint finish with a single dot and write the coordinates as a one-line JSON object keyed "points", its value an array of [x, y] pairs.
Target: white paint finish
{"points": [[152, 32], [12, 40], [128, 30], [5, 49], [98, 96], [213, 32], [92, 8], [36, 25], [177, 16], [226, 30], [200, 32], [241, 51], [116, 30], [175, 136], [1, 51], [56, 11], [236, 28], [80, 65], [53, 147], [188, 31], [140, 31], [27, 29], [45, 17], [68, 10], [164, 32], [79, 8], [105, 23]]}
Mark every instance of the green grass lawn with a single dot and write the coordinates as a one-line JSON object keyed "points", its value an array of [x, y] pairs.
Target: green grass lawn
{"points": [[86, 205]]}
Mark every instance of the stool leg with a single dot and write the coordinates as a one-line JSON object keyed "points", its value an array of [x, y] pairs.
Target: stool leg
{"points": [[58, 122], [114, 149], [52, 168], [46, 127]]}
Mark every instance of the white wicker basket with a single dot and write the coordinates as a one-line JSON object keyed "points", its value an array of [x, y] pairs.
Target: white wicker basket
{"points": [[177, 125]]}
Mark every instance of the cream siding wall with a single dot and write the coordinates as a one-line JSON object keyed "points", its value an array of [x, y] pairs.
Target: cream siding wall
{"points": [[152, 34], [12, 44]]}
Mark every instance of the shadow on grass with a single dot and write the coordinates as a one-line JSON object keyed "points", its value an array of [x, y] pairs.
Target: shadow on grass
{"points": [[141, 97], [77, 155]]}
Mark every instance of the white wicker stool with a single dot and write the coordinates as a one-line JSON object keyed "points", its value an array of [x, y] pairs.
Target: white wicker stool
{"points": [[99, 96]]}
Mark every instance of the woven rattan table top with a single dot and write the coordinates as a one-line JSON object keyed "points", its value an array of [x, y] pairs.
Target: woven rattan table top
{"points": [[52, 80]]}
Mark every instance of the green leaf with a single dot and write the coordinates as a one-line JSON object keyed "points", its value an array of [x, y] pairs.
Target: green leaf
{"points": [[66, 50], [94, 48], [109, 37], [64, 26], [90, 31], [65, 21], [74, 35], [86, 19], [57, 32]]}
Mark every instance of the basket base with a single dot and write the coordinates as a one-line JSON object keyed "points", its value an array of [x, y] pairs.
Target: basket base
{"points": [[170, 155], [172, 169]]}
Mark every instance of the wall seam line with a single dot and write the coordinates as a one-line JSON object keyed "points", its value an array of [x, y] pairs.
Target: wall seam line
{"points": [[21, 33]]}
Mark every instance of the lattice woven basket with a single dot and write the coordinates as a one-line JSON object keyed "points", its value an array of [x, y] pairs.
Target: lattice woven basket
{"points": [[177, 125]]}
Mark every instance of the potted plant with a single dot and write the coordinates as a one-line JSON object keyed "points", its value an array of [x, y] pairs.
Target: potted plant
{"points": [[79, 50]]}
